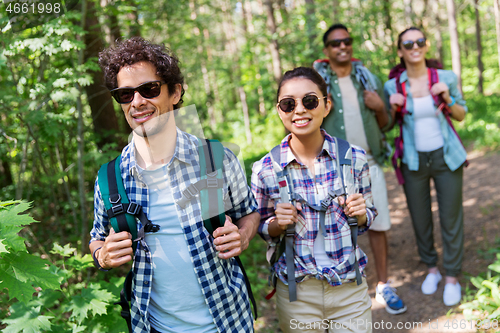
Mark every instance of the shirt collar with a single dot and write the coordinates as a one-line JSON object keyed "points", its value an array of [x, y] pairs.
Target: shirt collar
{"points": [[183, 152], [289, 157]]}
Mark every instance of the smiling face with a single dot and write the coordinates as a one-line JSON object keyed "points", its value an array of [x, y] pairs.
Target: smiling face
{"points": [[342, 54], [301, 121], [416, 54], [146, 116]]}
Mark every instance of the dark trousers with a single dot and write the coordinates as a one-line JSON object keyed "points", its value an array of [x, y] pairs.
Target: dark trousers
{"points": [[448, 186]]}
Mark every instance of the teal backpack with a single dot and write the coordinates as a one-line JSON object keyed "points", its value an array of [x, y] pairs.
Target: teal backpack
{"points": [[122, 213]]}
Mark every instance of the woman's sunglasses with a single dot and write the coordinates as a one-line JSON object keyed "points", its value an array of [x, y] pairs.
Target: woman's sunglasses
{"points": [[408, 44], [337, 42], [288, 104], [125, 95]]}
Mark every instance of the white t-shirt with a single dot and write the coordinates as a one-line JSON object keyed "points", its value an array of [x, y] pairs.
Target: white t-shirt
{"points": [[353, 122], [427, 131]]}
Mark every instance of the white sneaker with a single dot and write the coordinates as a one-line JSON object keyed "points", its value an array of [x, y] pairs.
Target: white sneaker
{"points": [[452, 294], [429, 286]]}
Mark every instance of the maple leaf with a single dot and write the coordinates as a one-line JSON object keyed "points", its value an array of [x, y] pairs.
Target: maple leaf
{"points": [[21, 271], [26, 319], [93, 298]]}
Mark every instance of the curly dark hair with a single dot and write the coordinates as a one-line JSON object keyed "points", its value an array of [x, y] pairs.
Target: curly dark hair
{"points": [[304, 73], [136, 49]]}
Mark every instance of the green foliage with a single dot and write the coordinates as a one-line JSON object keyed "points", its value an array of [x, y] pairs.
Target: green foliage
{"points": [[483, 304], [62, 301]]}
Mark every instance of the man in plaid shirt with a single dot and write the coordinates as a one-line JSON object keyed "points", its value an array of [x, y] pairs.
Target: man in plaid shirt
{"points": [[184, 280]]}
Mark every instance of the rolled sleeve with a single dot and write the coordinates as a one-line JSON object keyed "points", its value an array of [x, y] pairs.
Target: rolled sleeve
{"points": [[100, 227]]}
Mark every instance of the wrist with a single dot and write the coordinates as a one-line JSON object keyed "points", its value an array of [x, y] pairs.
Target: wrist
{"points": [[452, 102], [95, 256]]}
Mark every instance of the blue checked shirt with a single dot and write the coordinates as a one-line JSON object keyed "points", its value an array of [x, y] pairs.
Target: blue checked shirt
{"points": [[221, 281], [453, 150], [338, 244]]}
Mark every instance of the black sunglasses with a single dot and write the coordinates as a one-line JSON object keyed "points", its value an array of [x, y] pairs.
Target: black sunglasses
{"points": [[336, 42], [408, 44], [288, 104], [125, 95]]}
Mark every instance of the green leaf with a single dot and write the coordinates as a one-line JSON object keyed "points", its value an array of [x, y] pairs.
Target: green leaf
{"points": [[80, 263], [92, 299], [3, 248], [10, 217], [495, 266], [21, 271], [26, 319], [65, 251]]}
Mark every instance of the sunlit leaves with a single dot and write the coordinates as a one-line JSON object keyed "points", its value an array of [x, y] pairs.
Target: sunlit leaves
{"points": [[27, 320]]}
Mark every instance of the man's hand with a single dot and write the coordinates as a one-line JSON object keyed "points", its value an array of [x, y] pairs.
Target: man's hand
{"points": [[116, 250], [355, 206], [228, 241], [396, 100], [373, 101]]}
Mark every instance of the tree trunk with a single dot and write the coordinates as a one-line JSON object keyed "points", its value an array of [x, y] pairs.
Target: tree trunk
{"points": [[497, 21], [79, 136], [5, 174], [246, 116], [388, 28], [311, 25], [408, 12], [274, 45], [104, 119], [336, 11], [112, 28], [438, 35], [455, 46], [480, 66], [134, 28]]}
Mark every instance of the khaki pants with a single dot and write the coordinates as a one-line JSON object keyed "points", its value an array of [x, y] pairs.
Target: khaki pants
{"points": [[322, 308]]}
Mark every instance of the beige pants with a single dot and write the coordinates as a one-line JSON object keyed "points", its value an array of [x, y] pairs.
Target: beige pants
{"points": [[322, 308]]}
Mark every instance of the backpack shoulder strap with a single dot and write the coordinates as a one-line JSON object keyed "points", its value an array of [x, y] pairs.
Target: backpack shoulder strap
{"points": [[211, 154], [114, 197], [344, 160]]}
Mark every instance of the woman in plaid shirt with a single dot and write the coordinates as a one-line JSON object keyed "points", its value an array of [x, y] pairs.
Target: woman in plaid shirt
{"points": [[328, 298]]}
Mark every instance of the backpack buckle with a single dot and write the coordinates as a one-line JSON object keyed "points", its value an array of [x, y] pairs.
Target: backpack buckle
{"points": [[114, 201], [117, 209], [150, 227], [212, 180], [133, 208]]}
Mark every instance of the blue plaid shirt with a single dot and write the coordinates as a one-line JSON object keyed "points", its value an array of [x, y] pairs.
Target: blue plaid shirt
{"points": [[453, 150], [338, 244], [221, 281]]}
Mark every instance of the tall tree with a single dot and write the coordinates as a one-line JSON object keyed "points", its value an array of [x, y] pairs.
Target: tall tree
{"points": [[408, 12], [497, 25], [104, 118], [455, 46], [273, 45], [480, 66]]}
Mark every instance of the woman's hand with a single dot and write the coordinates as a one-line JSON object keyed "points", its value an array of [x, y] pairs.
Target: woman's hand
{"points": [[441, 88], [287, 214], [396, 100], [355, 206]]}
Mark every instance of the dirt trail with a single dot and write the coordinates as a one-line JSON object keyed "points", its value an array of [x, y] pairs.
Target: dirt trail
{"points": [[427, 313]]}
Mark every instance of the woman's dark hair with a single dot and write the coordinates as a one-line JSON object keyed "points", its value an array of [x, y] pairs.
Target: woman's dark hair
{"points": [[332, 28], [136, 49], [401, 67], [304, 73]]}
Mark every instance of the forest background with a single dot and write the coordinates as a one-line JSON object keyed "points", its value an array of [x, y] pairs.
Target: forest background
{"points": [[59, 124]]}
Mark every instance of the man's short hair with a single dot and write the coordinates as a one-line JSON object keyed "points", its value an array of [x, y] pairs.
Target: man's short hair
{"points": [[137, 49], [332, 28]]}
